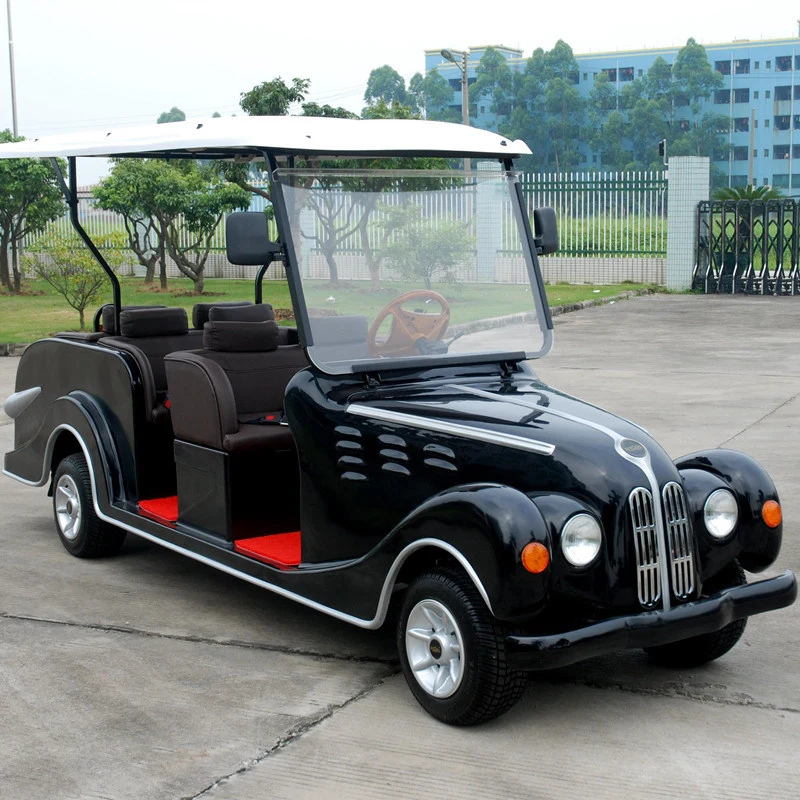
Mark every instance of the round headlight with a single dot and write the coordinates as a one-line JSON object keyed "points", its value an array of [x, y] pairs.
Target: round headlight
{"points": [[721, 513], [581, 538]]}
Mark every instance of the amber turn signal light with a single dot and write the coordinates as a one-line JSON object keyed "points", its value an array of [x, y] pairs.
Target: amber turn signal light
{"points": [[535, 557], [771, 513]]}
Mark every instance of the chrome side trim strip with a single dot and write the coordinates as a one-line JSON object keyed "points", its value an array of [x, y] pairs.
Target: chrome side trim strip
{"points": [[16, 403], [643, 462], [452, 428], [386, 591]]}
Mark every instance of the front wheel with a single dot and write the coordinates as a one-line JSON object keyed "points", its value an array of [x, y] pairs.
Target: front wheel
{"points": [[708, 646], [452, 651], [81, 531]]}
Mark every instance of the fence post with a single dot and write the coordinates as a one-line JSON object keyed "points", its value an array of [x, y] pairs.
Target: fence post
{"points": [[687, 185]]}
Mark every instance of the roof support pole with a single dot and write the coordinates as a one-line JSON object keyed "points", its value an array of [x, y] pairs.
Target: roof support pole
{"points": [[71, 196]]}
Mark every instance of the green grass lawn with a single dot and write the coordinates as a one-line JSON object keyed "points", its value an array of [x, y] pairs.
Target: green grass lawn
{"points": [[40, 311]]}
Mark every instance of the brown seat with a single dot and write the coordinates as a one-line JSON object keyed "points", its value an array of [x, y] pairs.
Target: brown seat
{"points": [[229, 396], [148, 334]]}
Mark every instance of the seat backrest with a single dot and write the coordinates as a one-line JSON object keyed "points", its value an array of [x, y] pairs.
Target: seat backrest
{"points": [[201, 311], [107, 317], [149, 334]]}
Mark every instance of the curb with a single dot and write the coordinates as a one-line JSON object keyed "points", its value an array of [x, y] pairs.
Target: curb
{"points": [[466, 327], [555, 311]]}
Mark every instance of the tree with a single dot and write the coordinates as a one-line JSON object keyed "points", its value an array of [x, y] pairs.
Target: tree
{"points": [[565, 108], [385, 83], [316, 110], [274, 98], [493, 80], [648, 126], [747, 193], [610, 142], [422, 250], [204, 197], [693, 77], [70, 268], [147, 193], [173, 115], [29, 198], [431, 97]]}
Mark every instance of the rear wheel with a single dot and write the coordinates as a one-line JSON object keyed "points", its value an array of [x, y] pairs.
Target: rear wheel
{"points": [[81, 531], [709, 646], [453, 651]]}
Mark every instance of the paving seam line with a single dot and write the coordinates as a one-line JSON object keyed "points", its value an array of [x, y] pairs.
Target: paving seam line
{"points": [[388, 662], [760, 420], [294, 734]]}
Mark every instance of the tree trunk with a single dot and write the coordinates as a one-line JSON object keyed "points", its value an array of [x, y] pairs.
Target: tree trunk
{"points": [[5, 277], [15, 267], [332, 268], [83, 321], [149, 271], [199, 284], [162, 260]]}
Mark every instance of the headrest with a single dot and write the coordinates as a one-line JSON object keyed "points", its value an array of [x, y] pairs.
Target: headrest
{"points": [[200, 311], [241, 337], [250, 313], [141, 322], [108, 316]]}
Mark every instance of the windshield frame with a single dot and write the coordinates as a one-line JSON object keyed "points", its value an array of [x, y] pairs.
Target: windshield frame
{"points": [[361, 366]]}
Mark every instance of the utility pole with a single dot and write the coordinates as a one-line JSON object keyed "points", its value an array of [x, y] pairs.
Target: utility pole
{"points": [[448, 55], [13, 79]]}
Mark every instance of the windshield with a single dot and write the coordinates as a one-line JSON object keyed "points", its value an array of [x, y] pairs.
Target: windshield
{"points": [[399, 267]]}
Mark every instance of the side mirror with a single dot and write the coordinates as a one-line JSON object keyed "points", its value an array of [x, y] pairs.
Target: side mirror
{"points": [[545, 231], [247, 239]]}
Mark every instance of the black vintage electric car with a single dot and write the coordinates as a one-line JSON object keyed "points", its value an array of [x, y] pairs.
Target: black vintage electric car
{"points": [[404, 456]]}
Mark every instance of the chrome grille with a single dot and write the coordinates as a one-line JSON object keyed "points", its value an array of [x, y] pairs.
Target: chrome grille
{"points": [[646, 543], [679, 536]]}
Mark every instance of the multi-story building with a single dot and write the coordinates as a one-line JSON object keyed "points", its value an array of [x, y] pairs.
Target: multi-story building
{"points": [[760, 96]]}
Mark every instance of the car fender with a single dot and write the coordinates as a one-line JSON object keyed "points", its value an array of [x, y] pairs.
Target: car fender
{"points": [[754, 543], [487, 525]]}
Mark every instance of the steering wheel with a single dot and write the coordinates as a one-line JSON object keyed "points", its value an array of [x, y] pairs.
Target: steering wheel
{"points": [[408, 327]]}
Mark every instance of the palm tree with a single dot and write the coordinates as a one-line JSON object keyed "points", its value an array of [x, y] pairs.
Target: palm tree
{"points": [[750, 193]]}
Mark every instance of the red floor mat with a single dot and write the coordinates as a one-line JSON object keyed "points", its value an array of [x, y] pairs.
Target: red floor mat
{"points": [[280, 549], [161, 509]]}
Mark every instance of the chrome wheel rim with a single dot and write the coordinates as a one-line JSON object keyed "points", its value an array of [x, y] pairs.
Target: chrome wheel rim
{"points": [[435, 648], [68, 507]]}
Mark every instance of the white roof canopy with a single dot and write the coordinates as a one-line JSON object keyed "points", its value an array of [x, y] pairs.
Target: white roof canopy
{"points": [[222, 137]]}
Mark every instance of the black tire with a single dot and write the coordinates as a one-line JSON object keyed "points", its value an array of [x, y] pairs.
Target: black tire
{"points": [[485, 687], [709, 646], [81, 531]]}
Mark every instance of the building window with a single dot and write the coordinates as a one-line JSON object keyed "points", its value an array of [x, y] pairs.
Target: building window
{"points": [[755, 95], [585, 75], [594, 159], [783, 92], [684, 125], [483, 109], [722, 96], [755, 123], [755, 153], [796, 122], [769, 65], [781, 123], [796, 151], [741, 124], [612, 74], [780, 181], [767, 94], [766, 123], [741, 66], [766, 152], [797, 62], [640, 73], [756, 66], [783, 63], [626, 74], [738, 180], [723, 67], [766, 182], [740, 153], [780, 151], [741, 95]]}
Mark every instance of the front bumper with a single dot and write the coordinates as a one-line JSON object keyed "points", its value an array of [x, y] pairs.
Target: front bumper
{"points": [[651, 628]]}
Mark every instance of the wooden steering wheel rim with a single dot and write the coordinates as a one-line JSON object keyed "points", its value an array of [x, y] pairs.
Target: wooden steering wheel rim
{"points": [[408, 326]]}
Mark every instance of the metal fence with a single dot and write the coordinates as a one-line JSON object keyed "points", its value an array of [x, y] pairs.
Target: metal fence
{"points": [[612, 228], [749, 247]]}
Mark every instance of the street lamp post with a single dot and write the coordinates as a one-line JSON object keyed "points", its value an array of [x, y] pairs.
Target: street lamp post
{"points": [[448, 55], [11, 64]]}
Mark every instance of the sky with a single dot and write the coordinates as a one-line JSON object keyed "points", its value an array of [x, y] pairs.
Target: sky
{"points": [[88, 64]]}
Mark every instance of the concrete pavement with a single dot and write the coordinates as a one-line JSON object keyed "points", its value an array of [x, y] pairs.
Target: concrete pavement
{"points": [[151, 676]]}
